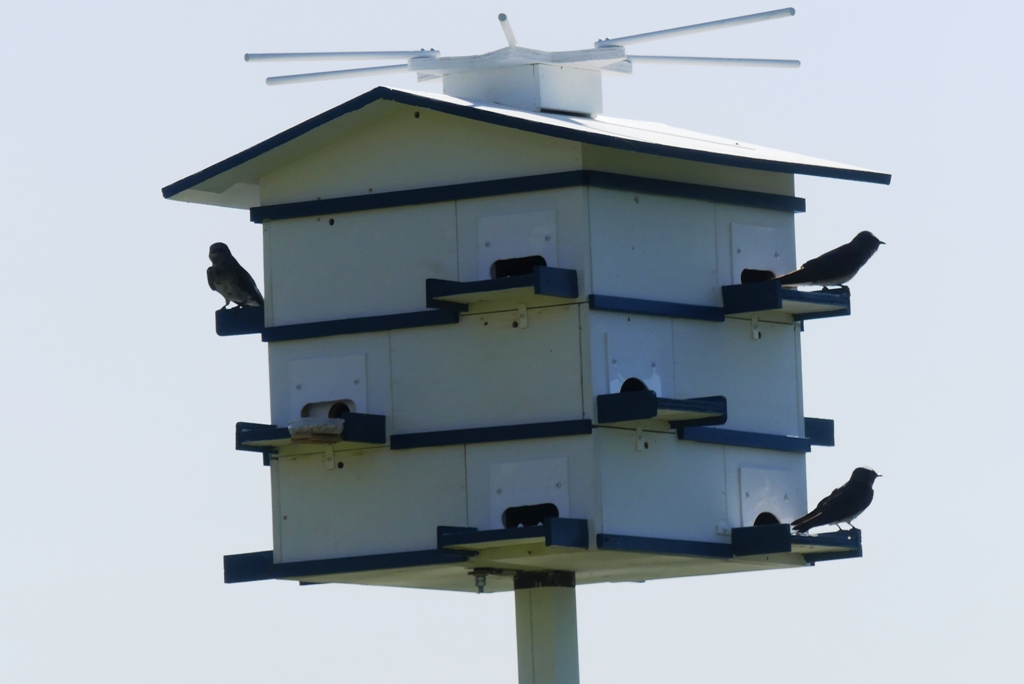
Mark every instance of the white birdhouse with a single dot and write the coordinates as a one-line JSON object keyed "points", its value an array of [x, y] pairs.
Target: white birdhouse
{"points": [[508, 336]]}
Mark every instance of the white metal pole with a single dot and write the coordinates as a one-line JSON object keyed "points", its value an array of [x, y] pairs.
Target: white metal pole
{"points": [[698, 28], [546, 638], [330, 75], [305, 56], [717, 61]]}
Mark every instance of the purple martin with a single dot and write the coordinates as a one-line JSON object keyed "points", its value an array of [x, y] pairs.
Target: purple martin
{"points": [[843, 504], [233, 282], [836, 267]]}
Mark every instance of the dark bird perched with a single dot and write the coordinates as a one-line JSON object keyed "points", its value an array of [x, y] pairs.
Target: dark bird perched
{"points": [[233, 282], [836, 267], [843, 504]]}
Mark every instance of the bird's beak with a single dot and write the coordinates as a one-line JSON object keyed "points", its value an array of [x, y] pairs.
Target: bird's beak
{"points": [[880, 242]]}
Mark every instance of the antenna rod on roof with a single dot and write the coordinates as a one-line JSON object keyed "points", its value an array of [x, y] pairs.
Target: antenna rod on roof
{"points": [[717, 61], [507, 28], [331, 75], [697, 28], [297, 56]]}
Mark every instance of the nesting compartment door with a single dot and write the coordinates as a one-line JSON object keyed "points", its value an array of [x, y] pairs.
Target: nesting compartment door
{"points": [[330, 380], [535, 483], [634, 356], [763, 248], [555, 471], [516, 232], [326, 369], [767, 496], [507, 238]]}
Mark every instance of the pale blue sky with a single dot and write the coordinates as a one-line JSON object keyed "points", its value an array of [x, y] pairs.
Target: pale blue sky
{"points": [[121, 491]]}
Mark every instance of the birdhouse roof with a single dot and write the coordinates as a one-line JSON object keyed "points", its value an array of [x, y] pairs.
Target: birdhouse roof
{"points": [[234, 181]]}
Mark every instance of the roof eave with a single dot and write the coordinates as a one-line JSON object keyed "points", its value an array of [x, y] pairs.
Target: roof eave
{"points": [[179, 189]]}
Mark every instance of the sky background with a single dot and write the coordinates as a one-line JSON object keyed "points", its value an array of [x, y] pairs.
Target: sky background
{"points": [[121, 491]]}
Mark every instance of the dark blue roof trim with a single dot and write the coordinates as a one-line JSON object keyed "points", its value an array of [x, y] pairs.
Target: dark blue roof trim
{"points": [[600, 140], [563, 532], [276, 141], [239, 320], [667, 547], [821, 431], [511, 186], [502, 433], [251, 567], [650, 307], [545, 280], [707, 193], [496, 118], [756, 440], [406, 198], [354, 326]]}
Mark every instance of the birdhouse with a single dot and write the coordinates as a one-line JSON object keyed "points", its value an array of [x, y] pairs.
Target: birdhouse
{"points": [[511, 345]]}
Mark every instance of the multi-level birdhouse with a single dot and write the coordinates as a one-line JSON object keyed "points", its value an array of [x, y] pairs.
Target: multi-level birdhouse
{"points": [[508, 335]]}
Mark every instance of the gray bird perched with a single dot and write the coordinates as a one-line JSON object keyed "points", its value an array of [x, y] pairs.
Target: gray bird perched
{"points": [[843, 504], [836, 267], [233, 282]]}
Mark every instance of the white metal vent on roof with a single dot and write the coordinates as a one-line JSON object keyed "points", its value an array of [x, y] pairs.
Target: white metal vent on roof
{"points": [[568, 81]]}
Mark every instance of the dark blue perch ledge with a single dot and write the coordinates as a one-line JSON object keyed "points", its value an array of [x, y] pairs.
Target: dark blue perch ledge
{"points": [[252, 567], [498, 433], [242, 320], [249, 321], [563, 532], [359, 428], [627, 407], [544, 281], [763, 540], [746, 542], [770, 296], [819, 431], [455, 545], [651, 307], [568, 533]]}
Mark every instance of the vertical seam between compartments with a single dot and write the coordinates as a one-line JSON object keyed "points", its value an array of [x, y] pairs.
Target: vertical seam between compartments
{"points": [[465, 478], [458, 260], [391, 380], [801, 427]]}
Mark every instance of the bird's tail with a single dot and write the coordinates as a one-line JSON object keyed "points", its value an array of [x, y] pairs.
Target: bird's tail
{"points": [[806, 523], [793, 278]]}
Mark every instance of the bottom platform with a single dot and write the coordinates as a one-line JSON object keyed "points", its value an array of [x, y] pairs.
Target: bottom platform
{"points": [[561, 544]]}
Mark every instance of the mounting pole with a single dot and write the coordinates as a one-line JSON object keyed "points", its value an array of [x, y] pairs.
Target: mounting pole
{"points": [[546, 628]]}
